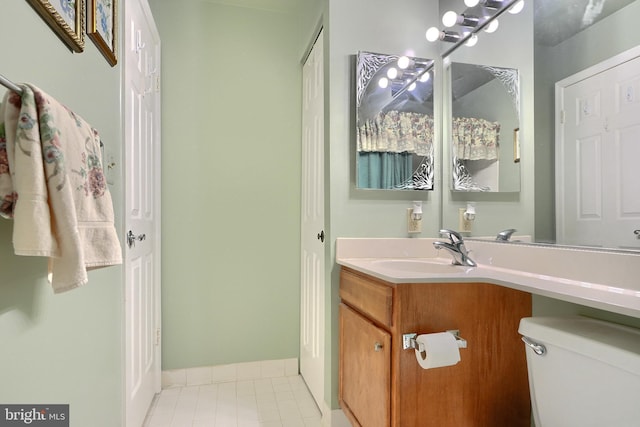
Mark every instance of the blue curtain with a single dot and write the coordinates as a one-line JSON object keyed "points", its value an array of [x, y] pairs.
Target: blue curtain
{"points": [[383, 170]]}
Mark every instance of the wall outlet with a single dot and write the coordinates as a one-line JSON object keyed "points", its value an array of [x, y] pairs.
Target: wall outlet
{"points": [[464, 225], [413, 225]]}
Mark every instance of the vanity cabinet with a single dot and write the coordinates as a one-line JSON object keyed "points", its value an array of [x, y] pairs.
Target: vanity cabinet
{"points": [[382, 385]]}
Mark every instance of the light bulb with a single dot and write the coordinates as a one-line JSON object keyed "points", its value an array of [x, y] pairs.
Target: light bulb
{"points": [[392, 73], [412, 86], [471, 3], [472, 40], [517, 8], [493, 25], [403, 62], [449, 19], [425, 77], [383, 82], [433, 34]]}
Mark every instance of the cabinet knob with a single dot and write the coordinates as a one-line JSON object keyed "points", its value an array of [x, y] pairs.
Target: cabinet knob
{"points": [[378, 347]]}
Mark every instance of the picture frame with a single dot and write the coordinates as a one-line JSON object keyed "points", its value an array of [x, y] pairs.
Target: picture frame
{"points": [[102, 28], [66, 19], [516, 145]]}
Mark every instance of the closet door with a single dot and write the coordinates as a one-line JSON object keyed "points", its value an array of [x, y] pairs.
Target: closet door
{"points": [[312, 280]]}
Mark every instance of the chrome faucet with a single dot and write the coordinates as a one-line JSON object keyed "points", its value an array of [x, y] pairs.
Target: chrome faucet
{"points": [[505, 235], [455, 246]]}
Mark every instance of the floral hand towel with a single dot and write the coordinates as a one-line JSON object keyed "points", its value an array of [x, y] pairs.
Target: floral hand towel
{"points": [[52, 185]]}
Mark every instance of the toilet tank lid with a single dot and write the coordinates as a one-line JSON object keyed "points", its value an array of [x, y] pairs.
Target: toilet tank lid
{"points": [[610, 343]]}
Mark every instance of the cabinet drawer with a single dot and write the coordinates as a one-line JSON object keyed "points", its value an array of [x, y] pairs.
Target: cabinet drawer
{"points": [[367, 296]]}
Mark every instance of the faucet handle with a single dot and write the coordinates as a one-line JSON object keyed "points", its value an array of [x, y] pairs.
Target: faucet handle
{"points": [[453, 236], [505, 235]]}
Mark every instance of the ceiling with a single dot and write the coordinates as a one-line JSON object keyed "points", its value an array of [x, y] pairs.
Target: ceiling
{"points": [[557, 20], [274, 5]]}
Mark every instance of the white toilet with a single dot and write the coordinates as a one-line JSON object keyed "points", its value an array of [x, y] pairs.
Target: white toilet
{"points": [[582, 372]]}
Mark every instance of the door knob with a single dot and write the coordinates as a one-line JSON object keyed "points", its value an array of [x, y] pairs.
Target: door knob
{"points": [[321, 236], [131, 238], [377, 347]]}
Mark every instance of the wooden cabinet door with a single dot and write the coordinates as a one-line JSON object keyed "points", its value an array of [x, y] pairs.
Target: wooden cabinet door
{"points": [[365, 370]]}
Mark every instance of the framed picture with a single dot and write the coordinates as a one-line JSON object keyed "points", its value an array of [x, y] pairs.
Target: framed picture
{"points": [[516, 145], [66, 18], [102, 17]]}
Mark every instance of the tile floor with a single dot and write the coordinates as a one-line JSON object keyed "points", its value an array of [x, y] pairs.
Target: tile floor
{"points": [[269, 402]]}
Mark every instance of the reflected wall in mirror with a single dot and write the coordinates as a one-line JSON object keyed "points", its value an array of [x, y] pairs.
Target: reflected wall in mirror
{"points": [[484, 128], [394, 122]]}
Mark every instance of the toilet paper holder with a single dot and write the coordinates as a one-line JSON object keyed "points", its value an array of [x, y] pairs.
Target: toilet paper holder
{"points": [[409, 340]]}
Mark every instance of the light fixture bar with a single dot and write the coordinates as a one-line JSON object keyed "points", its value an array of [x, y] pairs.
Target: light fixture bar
{"points": [[467, 36], [410, 82]]}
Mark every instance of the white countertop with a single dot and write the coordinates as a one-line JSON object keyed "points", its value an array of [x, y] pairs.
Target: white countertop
{"points": [[601, 279]]}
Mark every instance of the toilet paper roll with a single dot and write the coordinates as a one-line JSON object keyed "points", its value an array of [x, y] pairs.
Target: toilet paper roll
{"points": [[437, 350]]}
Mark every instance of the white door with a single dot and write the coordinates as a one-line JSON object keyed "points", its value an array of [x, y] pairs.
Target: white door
{"points": [[141, 62], [312, 225], [597, 176]]}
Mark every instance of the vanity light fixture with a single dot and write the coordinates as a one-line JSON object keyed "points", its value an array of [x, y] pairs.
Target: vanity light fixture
{"points": [[517, 8], [405, 62], [492, 27], [470, 24], [496, 4], [405, 75], [451, 18], [491, 4], [472, 40], [434, 34]]}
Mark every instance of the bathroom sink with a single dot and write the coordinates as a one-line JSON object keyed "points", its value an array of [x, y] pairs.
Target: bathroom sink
{"points": [[418, 266]]}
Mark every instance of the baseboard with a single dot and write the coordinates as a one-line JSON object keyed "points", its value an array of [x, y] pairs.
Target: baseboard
{"points": [[232, 372], [334, 418]]}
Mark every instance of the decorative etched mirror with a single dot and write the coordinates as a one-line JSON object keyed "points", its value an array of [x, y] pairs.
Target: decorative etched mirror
{"points": [[394, 122], [484, 128]]}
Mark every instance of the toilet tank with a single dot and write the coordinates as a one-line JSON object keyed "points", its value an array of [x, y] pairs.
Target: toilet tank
{"points": [[589, 374]]}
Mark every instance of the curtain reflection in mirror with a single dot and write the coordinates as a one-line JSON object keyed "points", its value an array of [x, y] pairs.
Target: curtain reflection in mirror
{"points": [[475, 139], [386, 145]]}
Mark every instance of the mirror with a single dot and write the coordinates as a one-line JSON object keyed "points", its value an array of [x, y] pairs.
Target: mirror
{"points": [[394, 122], [484, 128], [570, 37], [550, 41]]}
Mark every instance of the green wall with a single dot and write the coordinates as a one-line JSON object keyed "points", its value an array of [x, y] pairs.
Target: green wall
{"points": [[231, 181], [62, 348], [374, 26]]}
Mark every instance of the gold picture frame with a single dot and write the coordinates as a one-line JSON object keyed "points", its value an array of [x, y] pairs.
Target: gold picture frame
{"points": [[516, 145], [66, 19], [102, 28]]}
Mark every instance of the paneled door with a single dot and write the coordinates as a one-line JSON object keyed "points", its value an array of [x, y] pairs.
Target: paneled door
{"points": [[312, 225], [141, 57], [597, 173]]}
